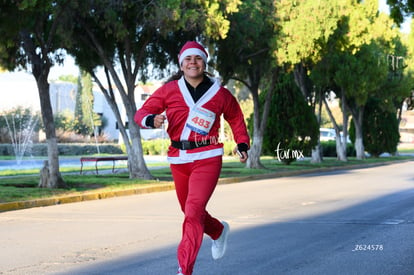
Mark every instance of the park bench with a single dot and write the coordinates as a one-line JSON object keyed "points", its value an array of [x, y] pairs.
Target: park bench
{"points": [[100, 159]]}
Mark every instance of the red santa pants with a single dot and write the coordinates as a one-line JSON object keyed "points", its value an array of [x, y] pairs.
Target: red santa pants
{"points": [[194, 185]]}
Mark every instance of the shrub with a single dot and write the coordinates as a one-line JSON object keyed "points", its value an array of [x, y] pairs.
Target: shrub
{"points": [[150, 147], [291, 124], [40, 149], [380, 129], [329, 149], [155, 146]]}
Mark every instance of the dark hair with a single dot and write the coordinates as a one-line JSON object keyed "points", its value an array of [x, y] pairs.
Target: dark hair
{"points": [[175, 76]]}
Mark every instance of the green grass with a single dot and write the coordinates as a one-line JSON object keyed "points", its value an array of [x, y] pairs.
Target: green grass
{"points": [[75, 169], [23, 185]]}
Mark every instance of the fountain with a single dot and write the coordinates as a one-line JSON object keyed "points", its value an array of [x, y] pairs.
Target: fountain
{"points": [[21, 128]]}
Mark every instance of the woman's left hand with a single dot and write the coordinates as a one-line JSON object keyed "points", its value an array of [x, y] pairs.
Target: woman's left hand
{"points": [[242, 155]]}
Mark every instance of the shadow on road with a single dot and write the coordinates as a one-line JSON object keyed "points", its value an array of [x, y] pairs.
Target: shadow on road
{"points": [[374, 237]]}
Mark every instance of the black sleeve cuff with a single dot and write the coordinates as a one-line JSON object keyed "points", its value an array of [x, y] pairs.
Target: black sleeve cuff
{"points": [[149, 122], [242, 147]]}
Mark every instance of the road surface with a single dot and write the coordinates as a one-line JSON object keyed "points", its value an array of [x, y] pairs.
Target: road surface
{"points": [[346, 222]]}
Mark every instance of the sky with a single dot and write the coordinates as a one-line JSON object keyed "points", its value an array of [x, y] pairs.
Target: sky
{"points": [[383, 5], [68, 68], [405, 27]]}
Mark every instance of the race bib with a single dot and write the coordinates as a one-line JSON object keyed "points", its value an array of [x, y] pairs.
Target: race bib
{"points": [[201, 120]]}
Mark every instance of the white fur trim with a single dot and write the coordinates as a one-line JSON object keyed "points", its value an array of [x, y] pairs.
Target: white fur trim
{"points": [[186, 157], [192, 51], [143, 125]]}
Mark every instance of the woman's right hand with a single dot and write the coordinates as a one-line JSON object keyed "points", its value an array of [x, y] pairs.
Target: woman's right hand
{"points": [[159, 121]]}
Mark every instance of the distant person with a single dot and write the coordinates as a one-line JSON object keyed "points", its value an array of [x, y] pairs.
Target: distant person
{"points": [[194, 103]]}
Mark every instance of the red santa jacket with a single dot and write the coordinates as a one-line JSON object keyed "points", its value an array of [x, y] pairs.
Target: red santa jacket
{"points": [[192, 121]]}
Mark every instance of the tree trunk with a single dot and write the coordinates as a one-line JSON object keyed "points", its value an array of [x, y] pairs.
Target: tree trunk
{"points": [[259, 124], [340, 149], [317, 154], [359, 147], [55, 179], [305, 86], [359, 144], [136, 163], [41, 63], [255, 151], [256, 145], [341, 143]]}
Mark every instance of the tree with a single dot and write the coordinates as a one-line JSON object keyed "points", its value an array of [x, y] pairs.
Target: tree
{"points": [[343, 53], [408, 72], [366, 73], [380, 129], [85, 118], [306, 28], [33, 43], [246, 56], [125, 37], [399, 9], [292, 128], [396, 93], [359, 76], [354, 66]]}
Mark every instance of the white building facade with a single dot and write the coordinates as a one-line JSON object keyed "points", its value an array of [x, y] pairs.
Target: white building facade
{"points": [[20, 89]]}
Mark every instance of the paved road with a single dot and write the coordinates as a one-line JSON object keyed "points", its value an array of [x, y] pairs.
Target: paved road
{"points": [[345, 222]]}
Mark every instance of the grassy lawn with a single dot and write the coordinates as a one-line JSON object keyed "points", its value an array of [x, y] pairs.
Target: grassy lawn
{"points": [[23, 183]]}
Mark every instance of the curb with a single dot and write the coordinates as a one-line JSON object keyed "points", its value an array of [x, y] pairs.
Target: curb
{"points": [[161, 187], [10, 206]]}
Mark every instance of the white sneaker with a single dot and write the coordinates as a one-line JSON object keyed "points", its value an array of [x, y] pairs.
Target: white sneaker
{"points": [[180, 271], [218, 247]]}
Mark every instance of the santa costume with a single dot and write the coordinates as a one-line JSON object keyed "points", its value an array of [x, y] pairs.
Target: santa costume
{"points": [[195, 153]]}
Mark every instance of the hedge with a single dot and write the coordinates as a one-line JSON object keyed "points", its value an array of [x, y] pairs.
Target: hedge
{"points": [[150, 147], [40, 149], [329, 149]]}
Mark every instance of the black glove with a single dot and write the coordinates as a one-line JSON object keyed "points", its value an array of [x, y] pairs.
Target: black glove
{"points": [[149, 121], [242, 147]]}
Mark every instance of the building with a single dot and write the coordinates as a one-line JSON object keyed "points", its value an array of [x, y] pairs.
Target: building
{"points": [[20, 89]]}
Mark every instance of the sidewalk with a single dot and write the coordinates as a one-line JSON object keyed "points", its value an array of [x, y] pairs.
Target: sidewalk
{"points": [[167, 186]]}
